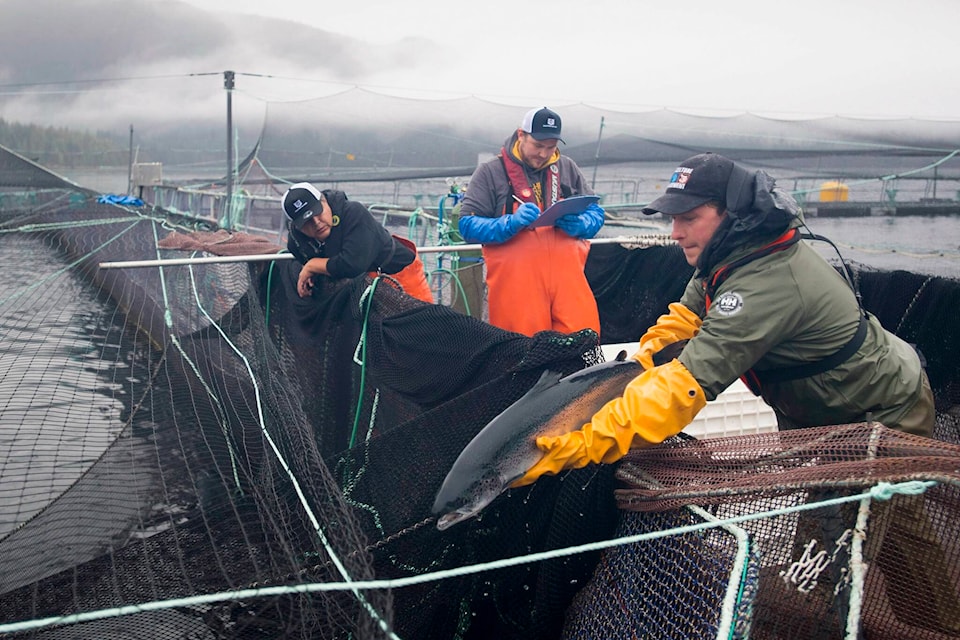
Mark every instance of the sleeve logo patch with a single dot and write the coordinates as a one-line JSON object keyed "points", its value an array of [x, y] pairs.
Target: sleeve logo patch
{"points": [[729, 303]]}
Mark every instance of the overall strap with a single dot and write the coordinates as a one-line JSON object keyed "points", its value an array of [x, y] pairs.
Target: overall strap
{"points": [[520, 183], [820, 366], [755, 379], [787, 240]]}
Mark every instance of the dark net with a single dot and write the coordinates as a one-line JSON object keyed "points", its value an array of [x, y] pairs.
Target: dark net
{"points": [[242, 438]]}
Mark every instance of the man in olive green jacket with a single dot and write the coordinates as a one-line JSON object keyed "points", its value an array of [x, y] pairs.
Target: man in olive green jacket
{"points": [[761, 306]]}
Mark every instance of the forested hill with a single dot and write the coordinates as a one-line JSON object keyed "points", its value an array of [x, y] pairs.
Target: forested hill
{"points": [[197, 144], [57, 146]]}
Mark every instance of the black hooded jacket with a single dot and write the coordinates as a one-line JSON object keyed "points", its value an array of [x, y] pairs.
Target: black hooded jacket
{"points": [[357, 243]]}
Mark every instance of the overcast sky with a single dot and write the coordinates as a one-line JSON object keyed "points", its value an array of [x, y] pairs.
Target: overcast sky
{"points": [[873, 58]]}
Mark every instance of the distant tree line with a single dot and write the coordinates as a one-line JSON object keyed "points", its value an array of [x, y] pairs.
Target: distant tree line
{"points": [[61, 147], [202, 146]]}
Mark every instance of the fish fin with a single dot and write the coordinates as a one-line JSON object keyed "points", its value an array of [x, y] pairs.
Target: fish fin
{"points": [[547, 379], [514, 477], [669, 352], [621, 356]]}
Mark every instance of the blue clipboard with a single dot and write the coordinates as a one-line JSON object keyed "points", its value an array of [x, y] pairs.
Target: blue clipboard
{"points": [[573, 204]]}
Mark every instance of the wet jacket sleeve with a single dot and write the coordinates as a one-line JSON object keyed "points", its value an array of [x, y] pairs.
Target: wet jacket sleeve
{"points": [[680, 323], [583, 225], [655, 405]]}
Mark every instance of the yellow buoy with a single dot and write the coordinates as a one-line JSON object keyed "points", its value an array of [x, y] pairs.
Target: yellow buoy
{"points": [[834, 191]]}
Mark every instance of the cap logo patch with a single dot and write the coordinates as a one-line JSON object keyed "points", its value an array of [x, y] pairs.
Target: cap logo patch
{"points": [[729, 304], [679, 178], [299, 204], [551, 122]]}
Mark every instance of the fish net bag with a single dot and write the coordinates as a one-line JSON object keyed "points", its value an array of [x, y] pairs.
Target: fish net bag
{"points": [[883, 566]]}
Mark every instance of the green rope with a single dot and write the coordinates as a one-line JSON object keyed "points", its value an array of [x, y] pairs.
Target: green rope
{"points": [[231, 449], [367, 301], [53, 226], [175, 341], [887, 178], [350, 480], [269, 287], [744, 574], [456, 279], [418, 218], [273, 263]]}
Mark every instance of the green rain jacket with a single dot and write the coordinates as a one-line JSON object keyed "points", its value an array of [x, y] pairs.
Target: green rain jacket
{"points": [[791, 308]]}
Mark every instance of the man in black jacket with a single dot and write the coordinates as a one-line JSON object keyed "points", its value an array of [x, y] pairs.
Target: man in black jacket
{"points": [[333, 236]]}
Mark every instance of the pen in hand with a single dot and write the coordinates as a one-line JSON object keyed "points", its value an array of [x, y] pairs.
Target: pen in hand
{"points": [[522, 203]]}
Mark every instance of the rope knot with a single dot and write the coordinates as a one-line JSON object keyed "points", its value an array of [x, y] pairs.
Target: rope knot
{"points": [[885, 490]]}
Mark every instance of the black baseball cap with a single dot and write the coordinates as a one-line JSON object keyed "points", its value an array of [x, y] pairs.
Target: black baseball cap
{"points": [[696, 181], [542, 124], [301, 202]]}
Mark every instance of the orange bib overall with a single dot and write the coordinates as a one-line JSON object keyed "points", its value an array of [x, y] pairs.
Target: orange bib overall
{"points": [[535, 282], [412, 277]]}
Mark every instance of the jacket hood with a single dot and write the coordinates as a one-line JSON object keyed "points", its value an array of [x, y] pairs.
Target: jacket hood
{"points": [[757, 212], [336, 199]]}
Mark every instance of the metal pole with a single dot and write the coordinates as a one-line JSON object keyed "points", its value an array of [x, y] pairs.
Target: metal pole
{"points": [[649, 239], [228, 85], [130, 165], [596, 157], [173, 262]]}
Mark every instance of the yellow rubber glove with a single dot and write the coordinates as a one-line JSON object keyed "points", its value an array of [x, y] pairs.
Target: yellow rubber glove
{"points": [[680, 323], [655, 405]]}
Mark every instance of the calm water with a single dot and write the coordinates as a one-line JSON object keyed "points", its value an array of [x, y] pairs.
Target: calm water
{"points": [[927, 244], [924, 244], [62, 385]]}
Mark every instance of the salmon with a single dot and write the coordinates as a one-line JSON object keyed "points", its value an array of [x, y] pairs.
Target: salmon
{"points": [[506, 447]]}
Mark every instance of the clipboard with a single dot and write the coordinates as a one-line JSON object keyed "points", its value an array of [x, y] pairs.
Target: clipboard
{"points": [[573, 204]]}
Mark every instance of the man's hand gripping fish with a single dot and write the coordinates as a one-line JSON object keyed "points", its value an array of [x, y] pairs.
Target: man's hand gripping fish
{"points": [[504, 449]]}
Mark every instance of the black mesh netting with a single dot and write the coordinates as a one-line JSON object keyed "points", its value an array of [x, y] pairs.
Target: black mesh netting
{"points": [[256, 452], [634, 287]]}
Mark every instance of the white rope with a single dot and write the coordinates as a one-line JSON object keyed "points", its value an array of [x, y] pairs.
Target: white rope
{"points": [[858, 568]]}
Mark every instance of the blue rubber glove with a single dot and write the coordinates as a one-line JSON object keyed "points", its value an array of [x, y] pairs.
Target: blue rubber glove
{"points": [[525, 214], [583, 225], [494, 230]]}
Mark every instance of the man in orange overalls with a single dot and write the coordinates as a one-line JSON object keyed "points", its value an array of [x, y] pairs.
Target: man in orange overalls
{"points": [[535, 279]]}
